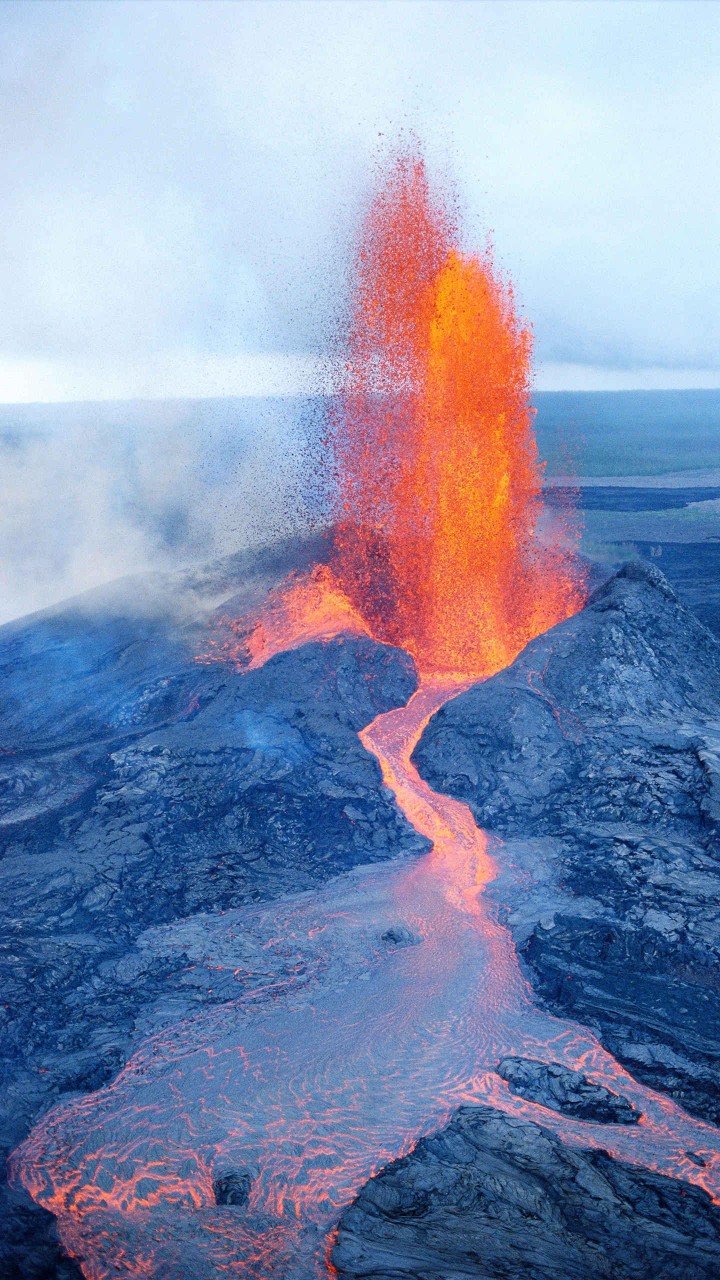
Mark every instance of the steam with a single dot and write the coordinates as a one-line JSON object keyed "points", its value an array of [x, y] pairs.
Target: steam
{"points": [[91, 493]]}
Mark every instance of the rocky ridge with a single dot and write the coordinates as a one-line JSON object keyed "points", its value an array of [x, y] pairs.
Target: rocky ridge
{"points": [[495, 1198], [563, 1090]]}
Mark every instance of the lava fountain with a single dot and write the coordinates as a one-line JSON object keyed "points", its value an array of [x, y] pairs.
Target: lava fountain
{"points": [[440, 541], [438, 479], [439, 548]]}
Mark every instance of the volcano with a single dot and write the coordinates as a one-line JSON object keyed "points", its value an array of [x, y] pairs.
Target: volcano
{"points": [[365, 884]]}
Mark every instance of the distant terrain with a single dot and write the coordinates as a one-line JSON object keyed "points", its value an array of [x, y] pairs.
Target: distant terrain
{"points": [[628, 433]]}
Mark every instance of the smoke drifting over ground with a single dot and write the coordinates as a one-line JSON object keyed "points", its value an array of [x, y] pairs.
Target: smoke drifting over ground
{"points": [[89, 493]]}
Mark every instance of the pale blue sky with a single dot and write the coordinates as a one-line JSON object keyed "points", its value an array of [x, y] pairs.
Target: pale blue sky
{"points": [[179, 181]]}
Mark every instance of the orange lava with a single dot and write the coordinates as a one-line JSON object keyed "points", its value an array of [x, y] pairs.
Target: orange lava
{"points": [[316, 1085], [304, 608], [441, 543], [438, 480]]}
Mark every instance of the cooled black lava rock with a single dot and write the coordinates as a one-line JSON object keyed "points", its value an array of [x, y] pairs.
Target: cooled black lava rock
{"points": [[491, 1196], [596, 721], [398, 935], [139, 786], [596, 755], [232, 1188], [564, 1090], [30, 1242]]}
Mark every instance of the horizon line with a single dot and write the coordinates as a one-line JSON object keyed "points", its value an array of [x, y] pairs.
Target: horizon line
{"points": [[187, 376]]}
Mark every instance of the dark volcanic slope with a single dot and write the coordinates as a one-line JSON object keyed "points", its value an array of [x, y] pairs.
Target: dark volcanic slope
{"points": [[140, 786], [492, 1196], [596, 753]]}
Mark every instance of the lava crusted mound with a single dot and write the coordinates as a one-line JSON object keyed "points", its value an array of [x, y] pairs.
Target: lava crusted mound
{"points": [[563, 1090], [142, 786], [585, 719], [596, 756], [492, 1196]]}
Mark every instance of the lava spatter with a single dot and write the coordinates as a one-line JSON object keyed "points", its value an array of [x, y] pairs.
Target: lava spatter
{"points": [[306, 607], [442, 542]]}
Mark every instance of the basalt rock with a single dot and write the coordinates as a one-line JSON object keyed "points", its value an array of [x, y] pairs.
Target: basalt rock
{"points": [[492, 1197], [232, 1188], [565, 1091], [595, 757], [398, 935]]}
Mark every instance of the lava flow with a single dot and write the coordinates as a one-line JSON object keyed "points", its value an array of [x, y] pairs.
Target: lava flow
{"points": [[439, 548], [312, 1094]]}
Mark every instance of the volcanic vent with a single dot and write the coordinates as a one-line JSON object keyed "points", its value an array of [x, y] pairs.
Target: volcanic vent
{"points": [[440, 542]]}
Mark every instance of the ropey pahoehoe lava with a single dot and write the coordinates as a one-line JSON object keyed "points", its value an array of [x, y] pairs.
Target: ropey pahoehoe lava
{"points": [[441, 547]]}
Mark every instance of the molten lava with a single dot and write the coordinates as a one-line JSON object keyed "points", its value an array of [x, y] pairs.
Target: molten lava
{"points": [[440, 541], [438, 480], [319, 1082], [304, 608]]}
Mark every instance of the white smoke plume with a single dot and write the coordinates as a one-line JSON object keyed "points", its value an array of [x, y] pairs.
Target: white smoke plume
{"points": [[89, 493]]}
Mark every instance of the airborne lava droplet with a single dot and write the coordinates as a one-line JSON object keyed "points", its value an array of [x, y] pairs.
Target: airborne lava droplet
{"points": [[441, 543]]}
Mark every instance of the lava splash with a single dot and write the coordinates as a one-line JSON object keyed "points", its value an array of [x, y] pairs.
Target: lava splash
{"points": [[440, 542]]}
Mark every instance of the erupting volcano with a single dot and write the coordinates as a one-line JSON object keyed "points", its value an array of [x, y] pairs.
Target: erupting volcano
{"points": [[439, 546]]}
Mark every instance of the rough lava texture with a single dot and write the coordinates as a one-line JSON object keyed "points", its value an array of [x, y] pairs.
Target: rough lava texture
{"points": [[595, 757], [555, 1086], [140, 787], [496, 1198]]}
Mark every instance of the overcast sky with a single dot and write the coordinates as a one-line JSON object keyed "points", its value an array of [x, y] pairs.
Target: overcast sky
{"points": [[179, 181]]}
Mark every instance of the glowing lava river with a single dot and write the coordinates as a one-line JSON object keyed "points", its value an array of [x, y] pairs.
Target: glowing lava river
{"points": [[312, 1096]]}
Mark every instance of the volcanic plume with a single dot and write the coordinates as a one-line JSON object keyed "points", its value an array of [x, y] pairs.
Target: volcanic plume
{"points": [[440, 542]]}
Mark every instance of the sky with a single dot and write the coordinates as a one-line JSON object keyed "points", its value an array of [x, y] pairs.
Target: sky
{"points": [[180, 182]]}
